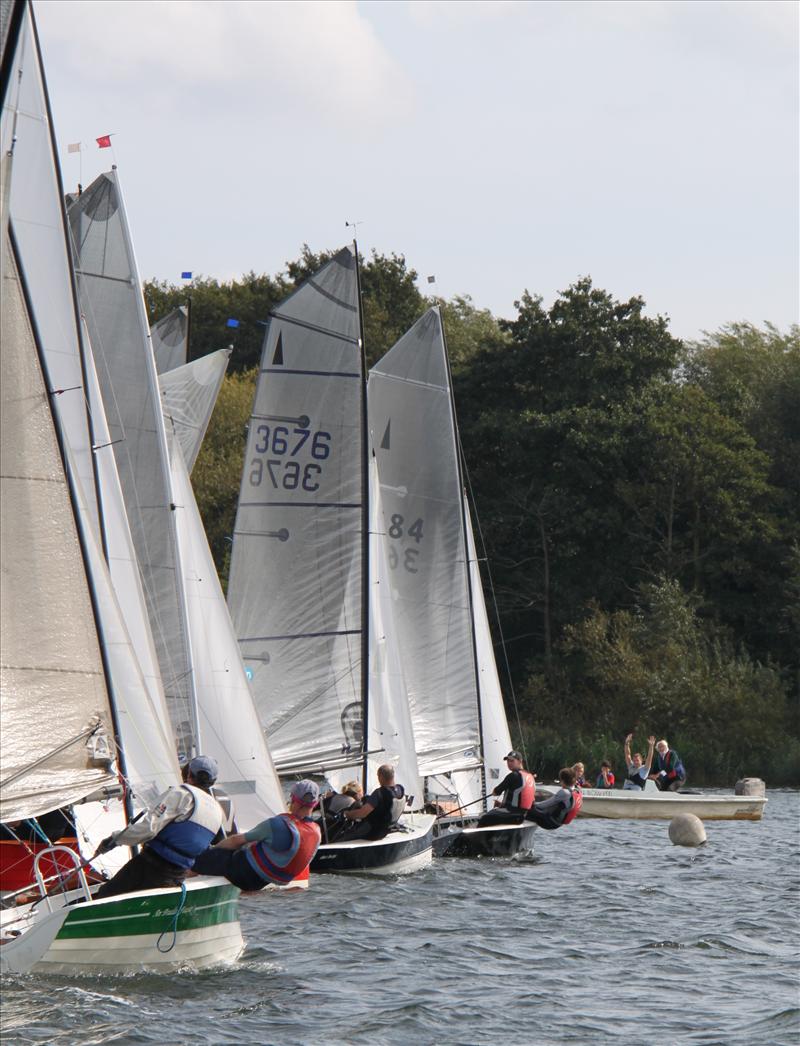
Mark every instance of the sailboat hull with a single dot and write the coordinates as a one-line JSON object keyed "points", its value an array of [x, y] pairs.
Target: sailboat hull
{"points": [[398, 853], [130, 933], [492, 841]]}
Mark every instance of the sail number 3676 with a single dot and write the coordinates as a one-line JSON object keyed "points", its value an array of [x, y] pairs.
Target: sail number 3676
{"points": [[286, 443]]}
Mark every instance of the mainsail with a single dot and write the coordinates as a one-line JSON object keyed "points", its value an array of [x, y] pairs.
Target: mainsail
{"points": [[296, 578], [413, 432], [112, 303], [56, 743]]}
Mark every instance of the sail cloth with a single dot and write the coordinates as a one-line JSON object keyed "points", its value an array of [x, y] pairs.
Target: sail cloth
{"points": [[188, 395], [112, 302], [413, 434], [151, 762], [51, 671], [296, 567], [391, 734], [170, 340], [228, 722], [36, 211]]}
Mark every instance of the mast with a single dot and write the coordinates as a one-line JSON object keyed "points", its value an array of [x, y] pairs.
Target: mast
{"points": [[466, 562], [365, 521]]}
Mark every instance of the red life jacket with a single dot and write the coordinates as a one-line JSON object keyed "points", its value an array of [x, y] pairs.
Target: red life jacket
{"points": [[527, 794], [282, 866], [575, 809]]}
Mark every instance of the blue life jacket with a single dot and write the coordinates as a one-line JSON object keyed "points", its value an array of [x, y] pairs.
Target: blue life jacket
{"points": [[182, 841]]}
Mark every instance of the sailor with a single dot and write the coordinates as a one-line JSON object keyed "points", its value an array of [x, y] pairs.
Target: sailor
{"points": [[668, 773], [176, 830], [276, 851], [638, 769], [377, 813], [560, 808], [518, 790]]}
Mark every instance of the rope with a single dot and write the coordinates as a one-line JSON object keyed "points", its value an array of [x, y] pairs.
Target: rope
{"points": [[174, 928]]}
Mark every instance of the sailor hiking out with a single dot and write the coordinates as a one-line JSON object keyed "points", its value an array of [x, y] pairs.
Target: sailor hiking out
{"points": [[275, 852], [560, 808], [182, 824]]}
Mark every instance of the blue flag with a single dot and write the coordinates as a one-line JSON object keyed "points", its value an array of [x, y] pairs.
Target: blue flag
{"points": [[232, 323], [186, 276]]}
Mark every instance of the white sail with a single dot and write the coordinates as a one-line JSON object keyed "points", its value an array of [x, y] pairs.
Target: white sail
{"points": [[36, 211], [112, 302], [494, 725], [391, 734], [413, 433], [295, 587], [56, 743], [188, 395], [228, 722], [169, 337], [150, 759]]}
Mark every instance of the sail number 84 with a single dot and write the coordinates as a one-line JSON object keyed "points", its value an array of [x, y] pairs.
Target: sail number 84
{"points": [[397, 532]]}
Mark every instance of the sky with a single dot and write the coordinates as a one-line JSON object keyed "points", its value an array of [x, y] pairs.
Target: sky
{"points": [[499, 146]]}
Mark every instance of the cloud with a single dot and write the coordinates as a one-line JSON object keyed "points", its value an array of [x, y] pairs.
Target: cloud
{"points": [[322, 58]]}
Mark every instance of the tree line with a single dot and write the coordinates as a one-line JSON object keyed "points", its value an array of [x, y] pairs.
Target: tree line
{"points": [[638, 498]]}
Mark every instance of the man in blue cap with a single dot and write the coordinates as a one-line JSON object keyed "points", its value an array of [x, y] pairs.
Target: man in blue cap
{"points": [[182, 824]]}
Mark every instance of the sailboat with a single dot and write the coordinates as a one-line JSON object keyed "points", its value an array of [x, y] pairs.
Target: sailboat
{"points": [[207, 692], [74, 702], [302, 578], [442, 628]]}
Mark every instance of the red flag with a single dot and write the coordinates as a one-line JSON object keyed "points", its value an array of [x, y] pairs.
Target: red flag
{"points": [[104, 141]]}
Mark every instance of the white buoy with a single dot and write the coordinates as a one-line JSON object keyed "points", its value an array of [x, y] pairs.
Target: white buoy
{"points": [[686, 830], [751, 786]]}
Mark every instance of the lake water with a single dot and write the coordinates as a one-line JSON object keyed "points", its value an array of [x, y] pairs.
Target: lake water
{"points": [[608, 934]]}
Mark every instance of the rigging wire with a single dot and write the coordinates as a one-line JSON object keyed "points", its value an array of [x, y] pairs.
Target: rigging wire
{"points": [[494, 600]]}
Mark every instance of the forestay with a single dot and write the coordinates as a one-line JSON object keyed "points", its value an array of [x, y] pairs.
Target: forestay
{"points": [[188, 395], [169, 337], [413, 434], [112, 302], [56, 742], [295, 588]]}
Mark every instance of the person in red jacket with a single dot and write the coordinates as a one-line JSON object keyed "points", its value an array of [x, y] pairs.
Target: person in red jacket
{"points": [[517, 791], [276, 851]]}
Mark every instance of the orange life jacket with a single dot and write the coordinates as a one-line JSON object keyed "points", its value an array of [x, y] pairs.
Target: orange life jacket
{"points": [[281, 866], [575, 809]]}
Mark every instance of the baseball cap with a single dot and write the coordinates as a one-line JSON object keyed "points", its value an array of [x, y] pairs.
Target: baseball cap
{"points": [[513, 755], [305, 792], [204, 764]]}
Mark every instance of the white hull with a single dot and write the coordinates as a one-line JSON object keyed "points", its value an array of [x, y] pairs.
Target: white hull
{"points": [[663, 806], [72, 940]]}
